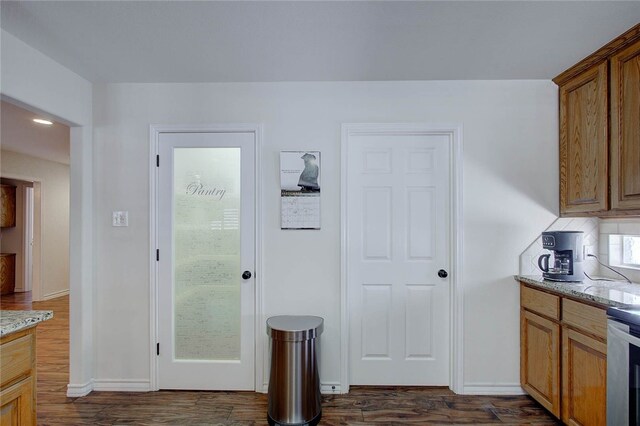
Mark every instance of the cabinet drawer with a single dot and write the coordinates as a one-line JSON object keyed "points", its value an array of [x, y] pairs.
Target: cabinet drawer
{"points": [[16, 359], [586, 318], [538, 301]]}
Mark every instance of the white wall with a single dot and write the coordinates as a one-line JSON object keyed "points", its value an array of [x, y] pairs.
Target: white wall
{"points": [[35, 81], [54, 196], [510, 195]]}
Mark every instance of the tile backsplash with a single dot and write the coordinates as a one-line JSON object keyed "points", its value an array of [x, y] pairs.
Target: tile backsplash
{"points": [[612, 228], [597, 235], [590, 227]]}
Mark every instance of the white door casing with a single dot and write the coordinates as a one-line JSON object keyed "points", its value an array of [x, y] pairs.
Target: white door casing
{"points": [[172, 370], [398, 197], [28, 238]]}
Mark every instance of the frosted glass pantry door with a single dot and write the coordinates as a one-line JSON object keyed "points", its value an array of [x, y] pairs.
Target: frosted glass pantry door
{"points": [[206, 242]]}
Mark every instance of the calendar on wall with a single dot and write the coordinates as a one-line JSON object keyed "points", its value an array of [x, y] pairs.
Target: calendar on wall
{"points": [[300, 189]]}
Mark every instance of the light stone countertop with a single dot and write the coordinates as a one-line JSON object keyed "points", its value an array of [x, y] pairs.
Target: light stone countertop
{"points": [[608, 293], [12, 321]]}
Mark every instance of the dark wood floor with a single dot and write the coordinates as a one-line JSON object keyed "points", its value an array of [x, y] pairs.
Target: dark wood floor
{"points": [[362, 406]]}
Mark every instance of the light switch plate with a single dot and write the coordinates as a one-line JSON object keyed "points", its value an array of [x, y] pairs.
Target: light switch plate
{"points": [[120, 218]]}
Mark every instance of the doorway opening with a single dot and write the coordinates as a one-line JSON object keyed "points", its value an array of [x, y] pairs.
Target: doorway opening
{"points": [[35, 169]]}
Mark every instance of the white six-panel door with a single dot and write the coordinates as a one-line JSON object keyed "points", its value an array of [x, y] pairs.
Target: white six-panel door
{"points": [[398, 239]]}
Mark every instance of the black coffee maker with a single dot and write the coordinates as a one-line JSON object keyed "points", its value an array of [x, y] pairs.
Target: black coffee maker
{"points": [[567, 262]]}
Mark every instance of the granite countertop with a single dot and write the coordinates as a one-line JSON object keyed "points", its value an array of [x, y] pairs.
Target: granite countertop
{"points": [[12, 321], [608, 293]]}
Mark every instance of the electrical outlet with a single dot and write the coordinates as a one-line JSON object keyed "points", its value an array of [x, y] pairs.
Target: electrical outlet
{"points": [[120, 218], [588, 251]]}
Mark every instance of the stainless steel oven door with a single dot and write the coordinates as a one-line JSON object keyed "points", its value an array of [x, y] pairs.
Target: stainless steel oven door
{"points": [[623, 375]]}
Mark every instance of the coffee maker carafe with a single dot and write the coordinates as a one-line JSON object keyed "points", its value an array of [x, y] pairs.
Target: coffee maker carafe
{"points": [[567, 256]]}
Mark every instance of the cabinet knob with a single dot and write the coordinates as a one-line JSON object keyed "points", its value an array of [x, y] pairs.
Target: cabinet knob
{"points": [[442, 273]]}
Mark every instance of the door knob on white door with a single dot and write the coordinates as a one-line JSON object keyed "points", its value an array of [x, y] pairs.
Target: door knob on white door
{"points": [[246, 275], [442, 273]]}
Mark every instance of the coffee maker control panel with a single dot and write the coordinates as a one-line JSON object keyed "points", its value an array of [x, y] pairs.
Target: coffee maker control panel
{"points": [[548, 241]]}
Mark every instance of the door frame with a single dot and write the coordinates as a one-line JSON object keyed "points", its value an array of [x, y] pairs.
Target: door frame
{"points": [[28, 236], [154, 136], [454, 132]]}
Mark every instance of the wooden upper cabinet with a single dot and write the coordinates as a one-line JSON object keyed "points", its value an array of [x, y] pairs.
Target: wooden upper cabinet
{"points": [[584, 142], [600, 131], [7, 206], [625, 128]]}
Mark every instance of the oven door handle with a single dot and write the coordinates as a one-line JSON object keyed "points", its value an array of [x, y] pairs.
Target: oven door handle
{"points": [[624, 336]]}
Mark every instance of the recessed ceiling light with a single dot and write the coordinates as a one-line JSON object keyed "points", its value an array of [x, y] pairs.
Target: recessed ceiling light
{"points": [[41, 121]]}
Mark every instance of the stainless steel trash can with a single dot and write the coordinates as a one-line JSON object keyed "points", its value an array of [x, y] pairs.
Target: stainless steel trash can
{"points": [[294, 383]]}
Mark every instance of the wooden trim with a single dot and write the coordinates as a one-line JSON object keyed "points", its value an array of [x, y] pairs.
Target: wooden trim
{"points": [[610, 214], [600, 55]]}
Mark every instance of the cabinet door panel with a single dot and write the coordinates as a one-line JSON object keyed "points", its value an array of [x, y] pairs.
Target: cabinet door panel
{"points": [[7, 206], [584, 379], [625, 128], [584, 142], [17, 406], [539, 360]]}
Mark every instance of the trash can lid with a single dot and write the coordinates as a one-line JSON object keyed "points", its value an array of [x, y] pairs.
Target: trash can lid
{"points": [[294, 328]]}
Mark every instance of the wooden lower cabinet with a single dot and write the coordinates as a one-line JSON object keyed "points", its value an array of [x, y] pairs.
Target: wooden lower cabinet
{"points": [[584, 379], [540, 360], [563, 356], [17, 406], [18, 379]]}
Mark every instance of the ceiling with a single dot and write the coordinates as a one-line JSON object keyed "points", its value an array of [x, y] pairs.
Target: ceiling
{"points": [[223, 41], [21, 134]]}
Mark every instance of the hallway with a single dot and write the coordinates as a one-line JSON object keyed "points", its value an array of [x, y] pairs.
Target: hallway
{"points": [[362, 406]]}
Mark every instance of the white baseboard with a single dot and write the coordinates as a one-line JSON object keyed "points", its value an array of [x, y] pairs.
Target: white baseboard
{"points": [[122, 385], [56, 294], [493, 389], [76, 391]]}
